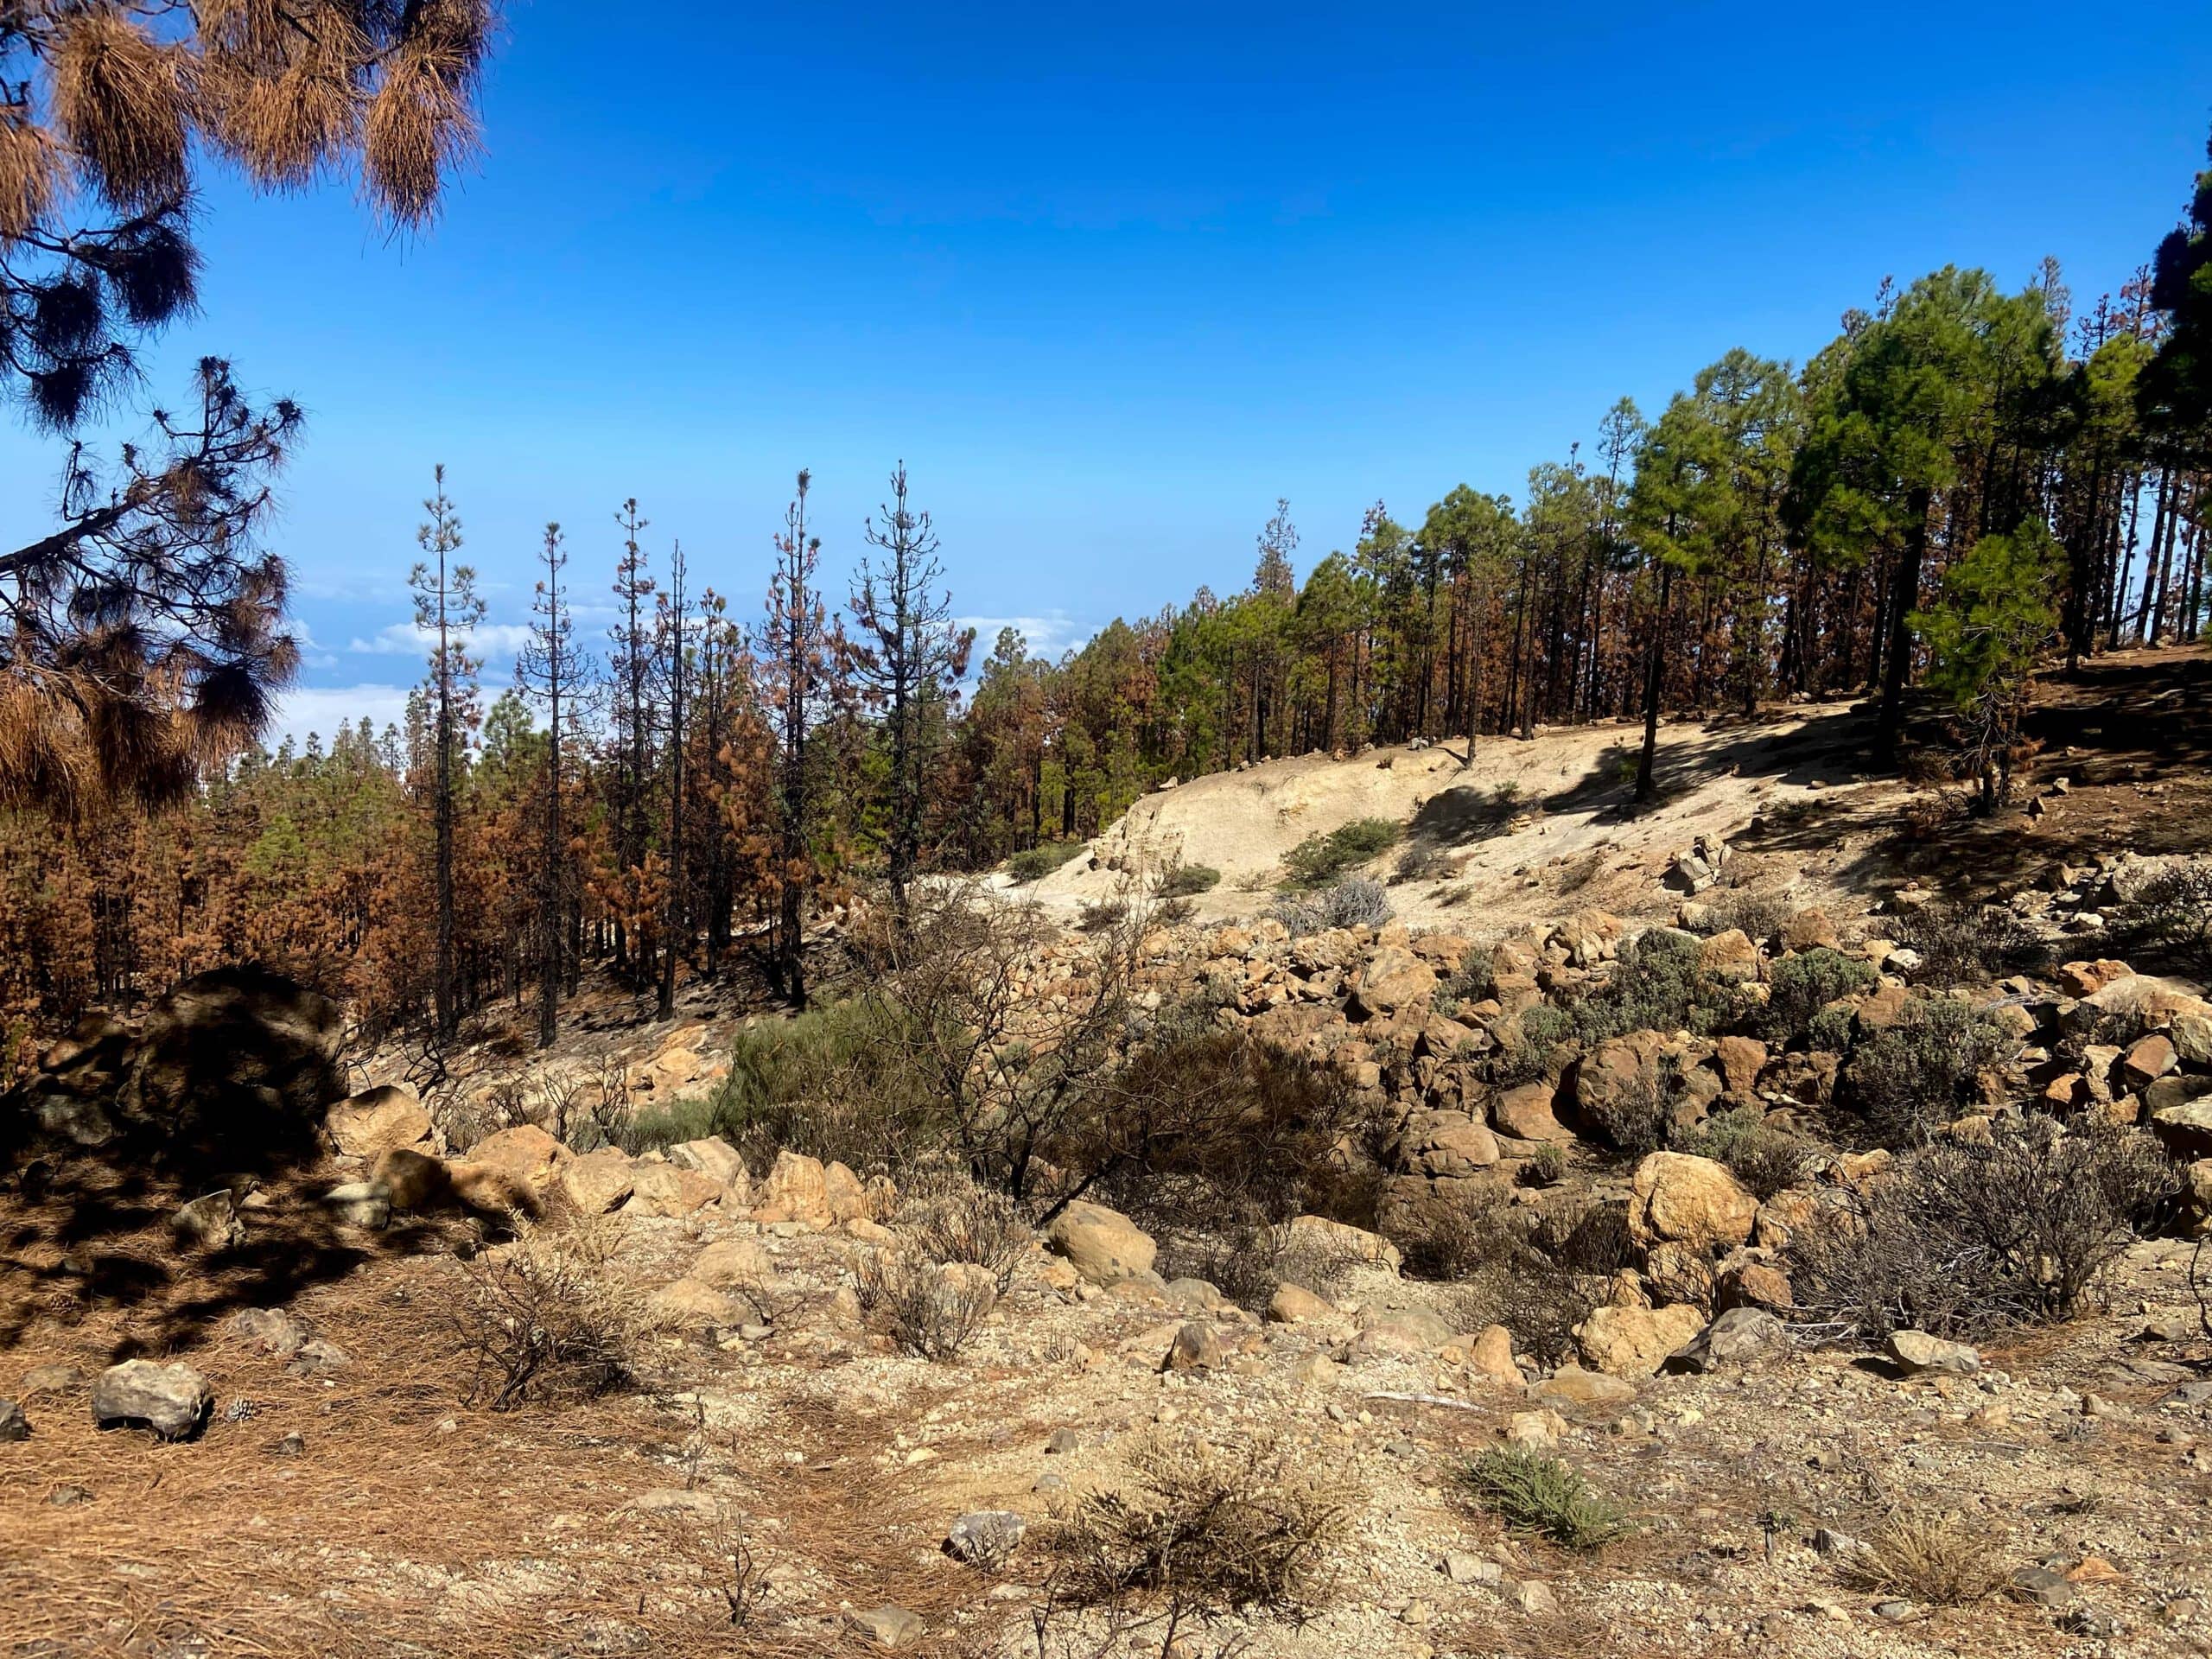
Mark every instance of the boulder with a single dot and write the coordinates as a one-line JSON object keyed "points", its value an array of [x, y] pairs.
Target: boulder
{"points": [[689, 1305], [1196, 1348], [1393, 979], [1754, 1284], [715, 1158], [1677, 1198], [1449, 1143], [229, 1067], [1732, 957], [359, 1204], [1740, 1060], [2150, 1059], [525, 1153], [2088, 978], [985, 1537], [1403, 1331], [1318, 1237], [1633, 1342], [173, 1401], [1104, 1245], [1605, 1080], [1295, 1305], [378, 1120], [1491, 1355], [1525, 1113], [796, 1189], [599, 1181], [664, 1190], [729, 1263], [1570, 1385], [2185, 1130], [1809, 930]]}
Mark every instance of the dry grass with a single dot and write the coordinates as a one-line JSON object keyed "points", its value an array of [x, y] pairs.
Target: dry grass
{"points": [[1940, 1560]]}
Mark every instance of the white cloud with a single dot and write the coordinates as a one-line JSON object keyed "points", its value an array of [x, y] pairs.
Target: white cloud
{"points": [[324, 709], [1047, 635], [499, 639]]}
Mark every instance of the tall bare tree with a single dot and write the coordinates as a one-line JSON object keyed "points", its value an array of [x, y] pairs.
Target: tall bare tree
{"points": [[674, 620], [550, 668]]}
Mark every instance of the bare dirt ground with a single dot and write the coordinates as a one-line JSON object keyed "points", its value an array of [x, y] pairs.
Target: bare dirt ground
{"points": [[405, 1521]]}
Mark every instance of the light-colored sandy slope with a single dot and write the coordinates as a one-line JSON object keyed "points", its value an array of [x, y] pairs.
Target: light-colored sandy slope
{"points": [[1559, 833]]}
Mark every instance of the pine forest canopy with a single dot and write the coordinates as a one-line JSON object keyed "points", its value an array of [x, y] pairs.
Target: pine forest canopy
{"points": [[1966, 479]]}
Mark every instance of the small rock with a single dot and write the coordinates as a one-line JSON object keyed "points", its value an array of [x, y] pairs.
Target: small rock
{"points": [[1062, 1441], [889, 1626], [1196, 1348], [173, 1401], [986, 1537], [67, 1496], [2042, 1585], [291, 1446], [51, 1379], [14, 1426], [1738, 1335], [209, 1223], [1528, 1596], [1917, 1352], [1461, 1567]]}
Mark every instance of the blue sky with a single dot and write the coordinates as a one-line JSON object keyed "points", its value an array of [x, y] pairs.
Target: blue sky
{"points": [[1112, 279]]}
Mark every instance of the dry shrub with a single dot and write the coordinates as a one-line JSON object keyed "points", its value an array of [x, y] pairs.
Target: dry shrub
{"points": [[1764, 1156], [542, 1319], [1248, 1262], [1216, 1529], [931, 1310], [1538, 1282], [950, 1219], [1960, 1238], [1937, 1560], [2171, 920]]}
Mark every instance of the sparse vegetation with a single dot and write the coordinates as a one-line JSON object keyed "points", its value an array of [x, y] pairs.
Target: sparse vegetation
{"points": [[1764, 1158], [1962, 1237], [1035, 863], [1802, 985], [541, 1318], [1217, 1528], [931, 1310], [1916, 1074], [1544, 1498], [1321, 859], [2171, 918], [1188, 881], [1353, 902], [1937, 1560], [1960, 944]]}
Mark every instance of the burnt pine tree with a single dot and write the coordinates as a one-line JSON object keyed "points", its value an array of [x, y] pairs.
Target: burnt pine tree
{"points": [[631, 670], [675, 929], [549, 670], [911, 656], [801, 656], [141, 636], [446, 611]]}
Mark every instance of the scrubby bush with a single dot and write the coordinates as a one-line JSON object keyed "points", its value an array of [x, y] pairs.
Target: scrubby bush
{"points": [[1759, 915], [1538, 1281], [1658, 984], [1917, 1073], [1764, 1158], [929, 1309], [1249, 1260], [1320, 860], [1637, 1117], [1474, 981], [1529, 1045], [1188, 881], [1217, 1529], [837, 1082], [950, 1219], [1038, 862], [542, 1319], [1353, 902], [1424, 861], [1543, 1497], [1957, 943], [1962, 1237], [2171, 920], [1799, 986], [1936, 1559]]}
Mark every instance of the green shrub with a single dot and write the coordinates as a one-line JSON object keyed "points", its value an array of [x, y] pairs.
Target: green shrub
{"points": [[1188, 881], [1540, 1496], [837, 1082], [1799, 986], [1957, 943], [1039, 862], [1831, 1030], [658, 1128], [1764, 1158], [1320, 860], [1659, 984], [1918, 1073]]}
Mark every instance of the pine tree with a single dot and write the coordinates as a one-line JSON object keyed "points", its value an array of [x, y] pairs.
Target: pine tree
{"points": [[550, 668], [446, 610]]}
